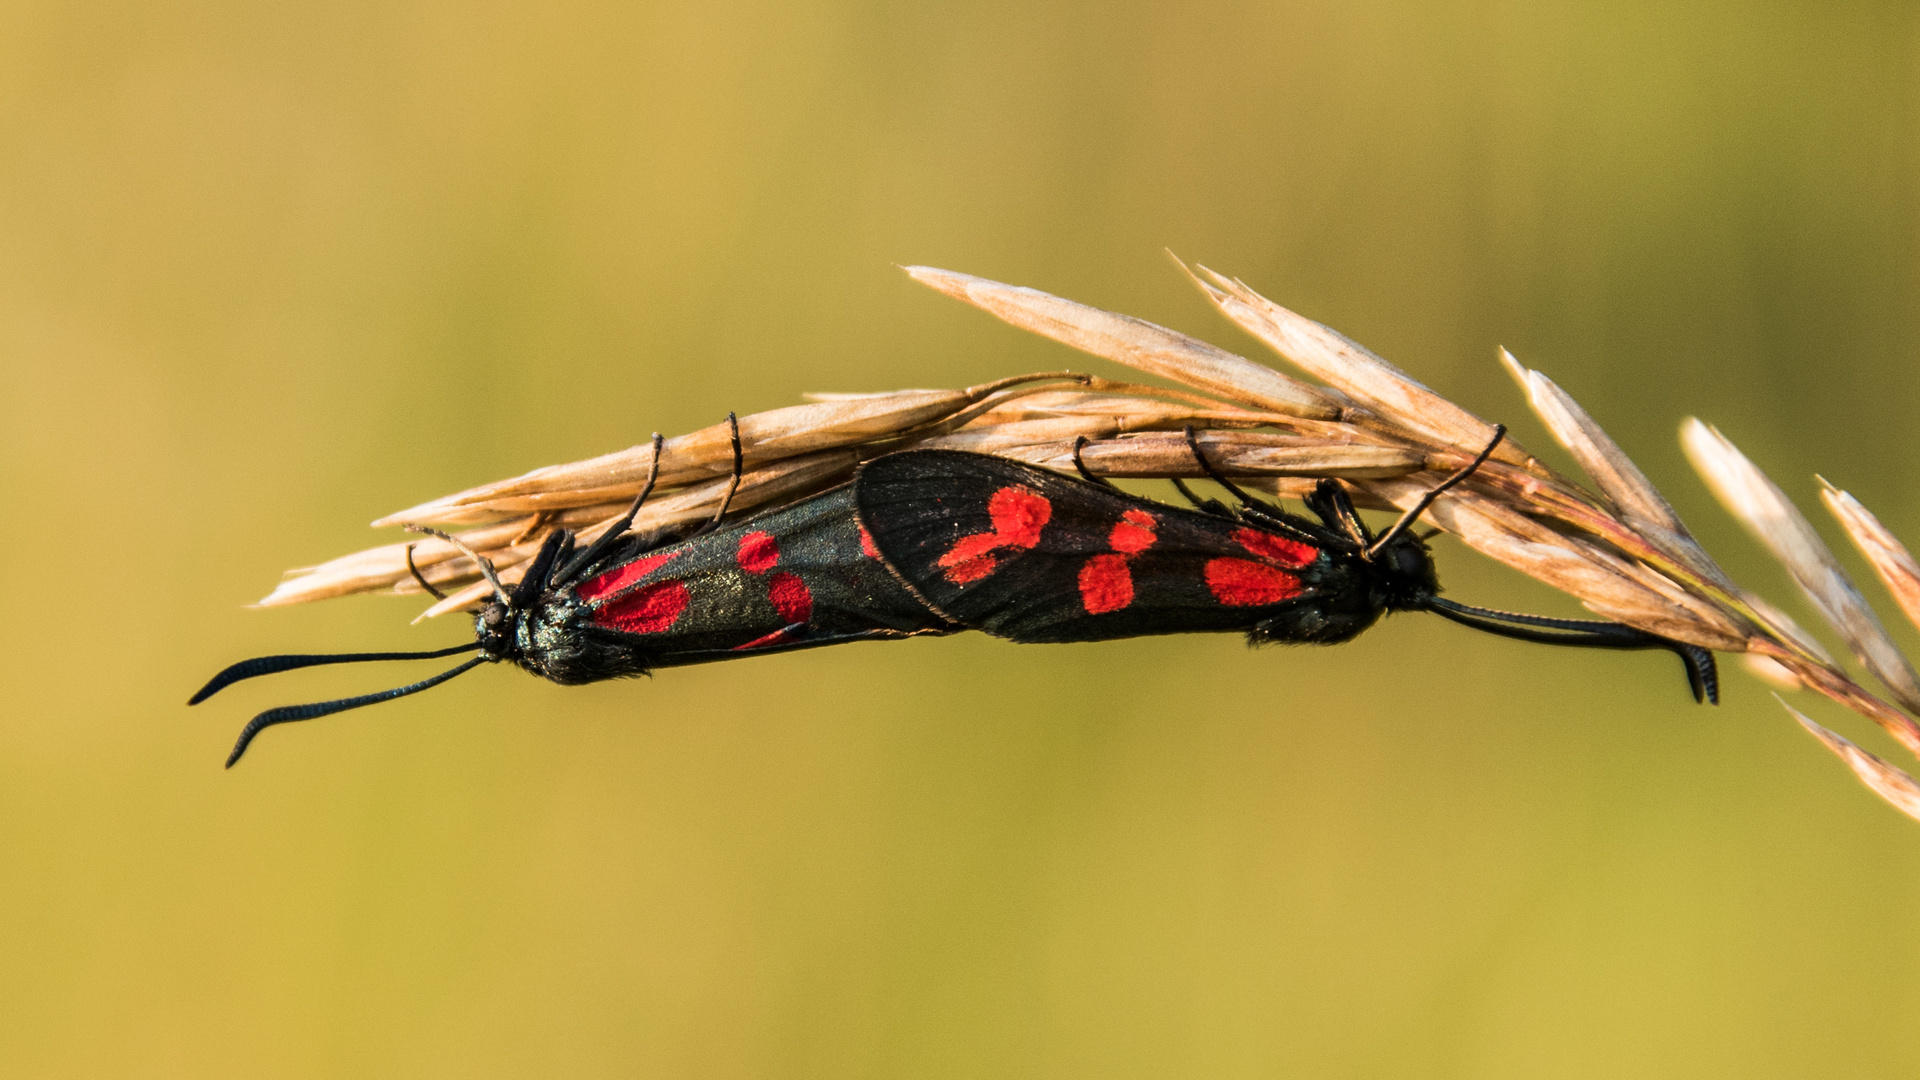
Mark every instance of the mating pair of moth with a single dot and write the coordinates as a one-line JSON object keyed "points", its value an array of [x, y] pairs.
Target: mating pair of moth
{"points": [[941, 541]]}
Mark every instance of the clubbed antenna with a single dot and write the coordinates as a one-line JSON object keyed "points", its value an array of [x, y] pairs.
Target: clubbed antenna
{"points": [[270, 665], [288, 714], [1703, 675]]}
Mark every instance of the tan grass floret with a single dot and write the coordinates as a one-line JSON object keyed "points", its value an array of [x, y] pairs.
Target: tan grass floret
{"points": [[1620, 549]]}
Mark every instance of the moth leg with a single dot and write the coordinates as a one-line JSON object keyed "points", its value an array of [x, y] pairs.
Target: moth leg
{"points": [[534, 582], [538, 521], [619, 528], [422, 578], [739, 467], [1079, 443], [1255, 510], [1213, 474], [485, 564], [1329, 500], [1205, 506], [733, 486]]}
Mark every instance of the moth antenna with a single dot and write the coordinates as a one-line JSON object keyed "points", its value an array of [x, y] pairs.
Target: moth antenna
{"points": [[619, 528], [486, 566], [1079, 443], [1438, 604], [287, 714], [1407, 519], [269, 665], [1703, 675], [421, 578]]}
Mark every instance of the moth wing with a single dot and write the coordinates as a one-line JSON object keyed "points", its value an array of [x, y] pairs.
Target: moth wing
{"points": [[796, 577], [1033, 556]]}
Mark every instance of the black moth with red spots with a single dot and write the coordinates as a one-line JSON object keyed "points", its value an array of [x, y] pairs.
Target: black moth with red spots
{"points": [[1033, 556], [796, 578], [938, 541], [799, 577]]}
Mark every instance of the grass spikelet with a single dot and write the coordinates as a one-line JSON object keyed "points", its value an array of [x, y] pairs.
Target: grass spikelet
{"points": [[1616, 545], [1349, 367], [1136, 343], [1638, 503], [1765, 510], [1882, 778], [1889, 557]]}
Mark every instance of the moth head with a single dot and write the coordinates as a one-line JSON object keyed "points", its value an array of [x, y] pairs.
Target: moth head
{"points": [[1406, 572], [496, 627]]}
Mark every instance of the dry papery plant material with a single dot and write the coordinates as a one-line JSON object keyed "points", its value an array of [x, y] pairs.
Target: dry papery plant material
{"points": [[1620, 550]]}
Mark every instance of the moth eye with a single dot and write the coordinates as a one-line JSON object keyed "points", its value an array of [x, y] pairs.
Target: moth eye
{"points": [[1406, 560]]}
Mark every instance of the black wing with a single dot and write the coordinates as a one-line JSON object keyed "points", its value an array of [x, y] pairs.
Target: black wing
{"points": [[797, 577], [1030, 555]]}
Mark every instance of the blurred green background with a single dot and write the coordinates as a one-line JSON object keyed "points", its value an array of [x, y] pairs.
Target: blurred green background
{"points": [[269, 271]]}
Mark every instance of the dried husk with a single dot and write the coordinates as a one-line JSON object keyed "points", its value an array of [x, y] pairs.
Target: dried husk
{"points": [[1889, 557], [1882, 778], [1766, 512], [1638, 503], [707, 452], [1233, 454], [767, 436], [1350, 368], [1137, 344]]}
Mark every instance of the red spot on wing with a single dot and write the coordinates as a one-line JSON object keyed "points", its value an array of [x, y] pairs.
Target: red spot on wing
{"points": [[866, 544], [1106, 584], [651, 609], [621, 577], [758, 552], [1276, 548], [1134, 534], [794, 601], [1018, 515], [970, 559], [971, 570], [791, 597], [1244, 583]]}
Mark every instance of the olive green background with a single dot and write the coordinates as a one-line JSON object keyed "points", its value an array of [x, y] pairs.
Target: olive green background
{"points": [[270, 271]]}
